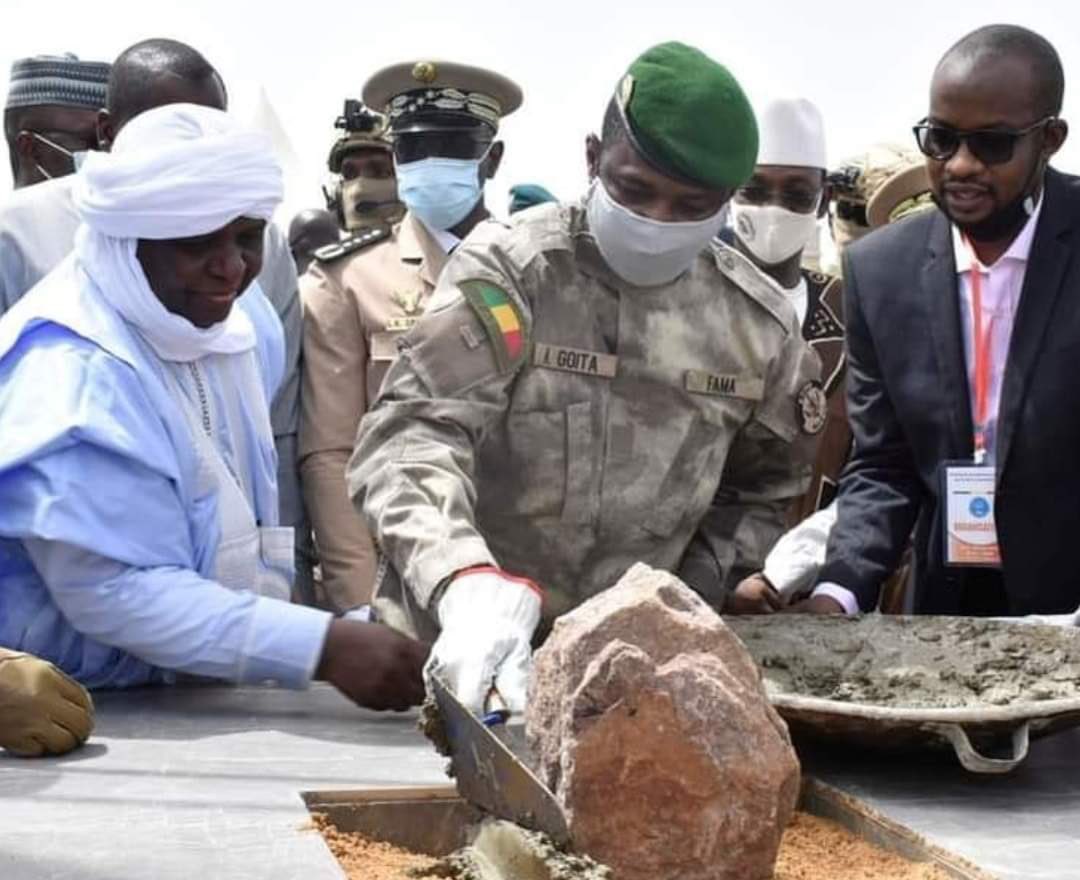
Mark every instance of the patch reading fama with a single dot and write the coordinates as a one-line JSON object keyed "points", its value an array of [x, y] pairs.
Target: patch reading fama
{"points": [[501, 319], [575, 360], [812, 408], [719, 385]]}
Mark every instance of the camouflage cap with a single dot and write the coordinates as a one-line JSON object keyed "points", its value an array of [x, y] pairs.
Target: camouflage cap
{"points": [[689, 117], [353, 141], [856, 178], [905, 192], [364, 130]]}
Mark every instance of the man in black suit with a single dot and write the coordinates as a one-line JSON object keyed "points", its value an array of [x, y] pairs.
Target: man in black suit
{"points": [[963, 330]]}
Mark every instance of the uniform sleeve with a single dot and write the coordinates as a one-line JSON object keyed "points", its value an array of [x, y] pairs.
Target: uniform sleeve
{"points": [[768, 466], [172, 618], [880, 490], [413, 470], [333, 398]]}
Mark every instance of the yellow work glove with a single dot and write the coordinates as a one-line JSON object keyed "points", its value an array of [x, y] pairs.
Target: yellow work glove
{"points": [[42, 711]]}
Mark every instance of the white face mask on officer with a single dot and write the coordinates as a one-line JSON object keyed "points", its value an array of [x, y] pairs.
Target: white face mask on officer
{"points": [[643, 251], [772, 233]]}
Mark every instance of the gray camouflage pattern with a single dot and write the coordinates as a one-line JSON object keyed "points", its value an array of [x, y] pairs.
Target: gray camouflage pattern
{"points": [[558, 471]]}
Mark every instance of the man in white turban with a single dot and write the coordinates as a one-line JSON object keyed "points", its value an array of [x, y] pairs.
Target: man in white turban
{"points": [[139, 526]]}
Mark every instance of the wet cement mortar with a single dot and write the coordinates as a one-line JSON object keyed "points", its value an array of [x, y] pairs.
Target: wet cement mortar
{"points": [[432, 727], [536, 856], [918, 662], [525, 855]]}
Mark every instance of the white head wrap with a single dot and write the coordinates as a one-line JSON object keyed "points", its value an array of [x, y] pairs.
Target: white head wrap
{"points": [[175, 171]]}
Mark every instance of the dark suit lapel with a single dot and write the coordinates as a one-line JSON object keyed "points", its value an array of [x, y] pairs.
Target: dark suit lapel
{"points": [[941, 293], [1043, 279]]}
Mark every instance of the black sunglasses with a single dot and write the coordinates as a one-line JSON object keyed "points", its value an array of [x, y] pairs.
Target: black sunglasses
{"points": [[446, 143], [991, 146]]}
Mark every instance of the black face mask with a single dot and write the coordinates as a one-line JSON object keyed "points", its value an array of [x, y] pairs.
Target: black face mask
{"points": [[1009, 219]]}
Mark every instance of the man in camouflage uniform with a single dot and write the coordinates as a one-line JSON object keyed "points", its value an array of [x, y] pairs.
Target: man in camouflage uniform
{"points": [[364, 194], [362, 294], [591, 386]]}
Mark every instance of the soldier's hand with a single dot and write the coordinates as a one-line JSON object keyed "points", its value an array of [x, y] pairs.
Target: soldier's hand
{"points": [[42, 710], [753, 595], [373, 665], [817, 605], [488, 618]]}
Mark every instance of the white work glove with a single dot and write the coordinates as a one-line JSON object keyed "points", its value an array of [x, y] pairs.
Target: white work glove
{"points": [[488, 618]]}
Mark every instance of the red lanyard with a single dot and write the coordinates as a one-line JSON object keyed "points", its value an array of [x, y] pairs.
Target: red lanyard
{"points": [[982, 345]]}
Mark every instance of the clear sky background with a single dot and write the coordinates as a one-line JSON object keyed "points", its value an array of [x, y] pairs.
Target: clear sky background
{"points": [[866, 64]]}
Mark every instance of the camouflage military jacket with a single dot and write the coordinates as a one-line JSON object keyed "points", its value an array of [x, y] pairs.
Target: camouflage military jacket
{"points": [[547, 417]]}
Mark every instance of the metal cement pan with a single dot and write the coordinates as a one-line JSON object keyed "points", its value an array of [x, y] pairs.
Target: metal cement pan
{"points": [[886, 682]]}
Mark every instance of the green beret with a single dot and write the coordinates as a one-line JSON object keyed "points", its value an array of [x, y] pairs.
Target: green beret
{"points": [[689, 116], [525, 195]]}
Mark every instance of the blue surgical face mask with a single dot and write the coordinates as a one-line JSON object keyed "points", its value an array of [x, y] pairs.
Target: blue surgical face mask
{"points": [[440, 191]]}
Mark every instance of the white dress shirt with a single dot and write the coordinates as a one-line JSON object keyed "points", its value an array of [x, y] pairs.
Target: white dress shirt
{"points": [[1001, 285]]}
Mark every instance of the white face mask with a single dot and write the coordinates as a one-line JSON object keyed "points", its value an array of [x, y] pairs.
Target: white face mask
{"points": [[771, 233], [642, 251]]}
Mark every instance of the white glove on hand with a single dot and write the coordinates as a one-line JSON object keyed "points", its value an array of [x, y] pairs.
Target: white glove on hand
{"points": [[488, 618]]}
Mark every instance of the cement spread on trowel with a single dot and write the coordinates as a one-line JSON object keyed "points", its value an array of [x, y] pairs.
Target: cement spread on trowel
{"points": [[504, 851], [918, 662]]}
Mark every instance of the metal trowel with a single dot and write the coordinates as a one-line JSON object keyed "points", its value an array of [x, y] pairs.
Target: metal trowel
{"points": [[490, 776]]}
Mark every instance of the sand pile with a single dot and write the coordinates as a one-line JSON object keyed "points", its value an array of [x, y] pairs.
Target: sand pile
{"points": [[812, 849]]}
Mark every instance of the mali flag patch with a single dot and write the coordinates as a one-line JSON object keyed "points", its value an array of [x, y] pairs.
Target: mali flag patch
{"points": [[501, 318]]}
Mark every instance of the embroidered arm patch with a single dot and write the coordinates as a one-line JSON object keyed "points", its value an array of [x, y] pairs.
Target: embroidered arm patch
{"points": [[501, 318]]}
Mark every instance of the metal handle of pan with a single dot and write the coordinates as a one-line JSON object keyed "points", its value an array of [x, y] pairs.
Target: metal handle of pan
{"points": [[978, 763]]}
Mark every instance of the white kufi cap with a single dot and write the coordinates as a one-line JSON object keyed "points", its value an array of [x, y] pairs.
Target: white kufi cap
{"points": [[791, 132]]}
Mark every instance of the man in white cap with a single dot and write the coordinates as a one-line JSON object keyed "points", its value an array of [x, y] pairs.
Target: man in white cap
{"points": [[880, 186], [139, 532], [774, 216], [776, 213]]}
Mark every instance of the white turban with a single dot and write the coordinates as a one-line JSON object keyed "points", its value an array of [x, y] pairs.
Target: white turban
{"points": [[175, 171]]}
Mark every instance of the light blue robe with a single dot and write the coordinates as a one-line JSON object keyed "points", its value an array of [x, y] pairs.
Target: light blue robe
{"points": [[98, 485]]}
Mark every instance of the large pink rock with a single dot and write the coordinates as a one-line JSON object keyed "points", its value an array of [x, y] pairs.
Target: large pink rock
{"points": [[651, 725]]}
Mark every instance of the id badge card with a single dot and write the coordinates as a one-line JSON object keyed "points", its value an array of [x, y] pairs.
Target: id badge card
{"points": [[970, 532]]}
